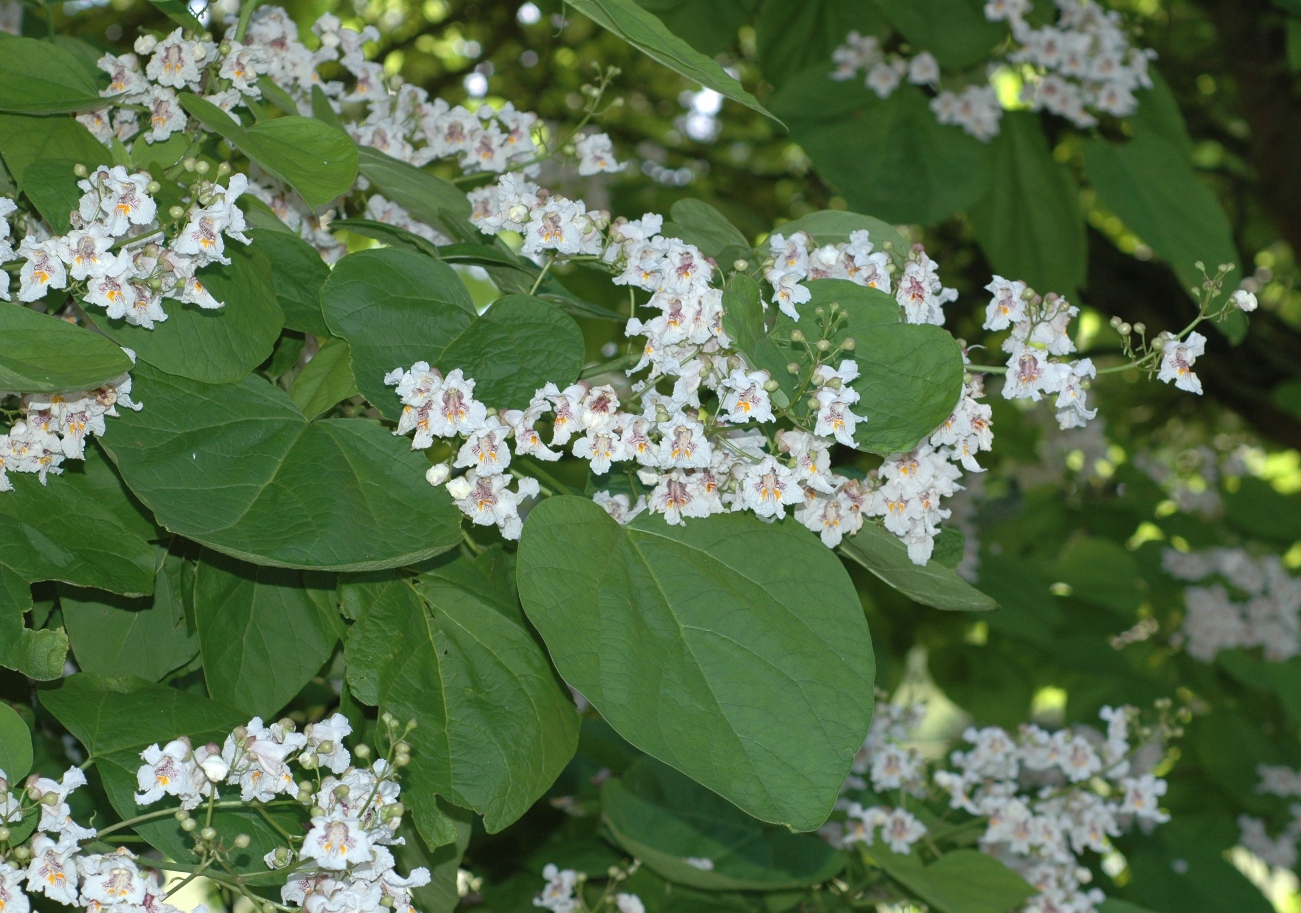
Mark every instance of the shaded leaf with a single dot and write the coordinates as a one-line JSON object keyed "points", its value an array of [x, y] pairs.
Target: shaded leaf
{"points": [[39, 353], [298, 272], [932, 584], [325, 381], [40, 77]]}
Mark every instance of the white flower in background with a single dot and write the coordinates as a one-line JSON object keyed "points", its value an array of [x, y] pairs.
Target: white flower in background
{"points": [[596, 155], [558, 894], [629, 903], [12, 898]]}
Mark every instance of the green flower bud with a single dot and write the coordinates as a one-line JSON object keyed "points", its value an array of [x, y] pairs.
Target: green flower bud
{"points": [[190, 163], [362, 751], [153, 187], [241, 841], [22, 853], [189, 825], [797, 335], [824, 345], [208, 833], [5, 834], [202, 167], [80, 170], [848, 344], [741, 265], [793, 368], [223, 169], [176, 212], [771, 386]]}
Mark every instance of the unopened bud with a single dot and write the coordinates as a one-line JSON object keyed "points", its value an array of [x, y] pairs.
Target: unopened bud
{"points": [[50, 799], [771, 386], [824, 345], [1114, 323], [386, 901], [153, 187], [180, 814], [316, 811], [241, 841], [80, 170], [793, 368], [819, 310], [190, 163], [4, 834], [387, 718], [224, 48], [208, 833], [189, 825], [849, 344], [813, 403], [223, 169], [438, 474], [341, 791], [22, 853], [1124, 329], [281, 856], [176, 212], [741, 265], [309, 760], [835, 383], [402, 760], [1140, 328], [202, 167], [797, 335]]}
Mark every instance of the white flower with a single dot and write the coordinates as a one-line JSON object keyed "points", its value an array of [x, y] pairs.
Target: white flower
{"points": [[558, 893], [768, 488], [704, 863], [336, 841], [677, 495], [12, 898], [166, 116], [900, 830], [596, 154], [176, 62], [488, 501], [1141, 795], [746, 399], [834, 418], [53, 870], [56, 818], [1007, 306], [326, 740], [43, 270], [111, 880], [629, 903], [924, 70], [168, 771], [1243, 300], [485, 449], [1177, 360], [601, 448], [685, 445], [85, 251]]}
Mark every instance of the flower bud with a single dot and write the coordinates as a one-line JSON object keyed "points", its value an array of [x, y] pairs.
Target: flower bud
{"points": [[824, 345], [437, 475], [180, 814], [387, 718], [4, 834], [50, 800], [241, 841], [797, 335], [771, 386], [458, 488], [202, 167], [281, 857], [208, 833], [316, 811], [80, 170], [819, 310], [177, 212], [153, 187], [22, 853], [849, 344], [1140, 328], [402, 760], [189, 825], [215, 767], [223, 169], [793, 368], [308, 760], [741, 265], [190, 163], [341, 791], [813, 403], [224, 48]]}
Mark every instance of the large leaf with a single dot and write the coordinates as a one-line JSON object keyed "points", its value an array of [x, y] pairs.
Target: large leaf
{"points": [[698, 223], [25, 141], [795, 36], [324, 381], [218, 346], [15, 745], [117, 718], [932, 584], [147, 638], [264, 632], [396, 307], [51, 186], [662, 818], [37, 654], [955, 31], [709, 26], [316, 159], [39, 77], [79, 529], [963, 881], [451, 649], [39, 353], [298, 272], [427, 197], [441, 894], [649, 35], [1150, 184], [731, 649], [887, 157], [1030, 225], [238, 468]]}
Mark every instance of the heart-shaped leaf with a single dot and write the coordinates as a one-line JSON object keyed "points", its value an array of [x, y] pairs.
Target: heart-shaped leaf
{"points": [[39, 353]]}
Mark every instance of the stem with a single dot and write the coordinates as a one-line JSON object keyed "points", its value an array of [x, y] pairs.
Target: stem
{"points": [[474, 546], [245, 15], [558, 486], [542, 275], [611, 365], [275, 825]]}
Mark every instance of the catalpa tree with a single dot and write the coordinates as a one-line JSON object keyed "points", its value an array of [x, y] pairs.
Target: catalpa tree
{"points": [[498, 456]]}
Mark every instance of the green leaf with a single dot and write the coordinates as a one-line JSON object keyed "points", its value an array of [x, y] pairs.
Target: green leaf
{"points": [[794, 36], [39, 77], [1258, 509], [661, 817], [428, 198], [709, 26], [1102, 573], [79, 529], [887, 157], [650, 36], [264, 632], [15, 745], [117, 718], [238, 468], [297, 272], [324, 381], [743, 321], [316, 159], [395, 308], [37, 654], [1150, 184], [214, 346], [441, 894], [932, 584], [451, 649], [39, 353], [732, 649], [388, 234], [955, 31], [147, 637], [1030, 225], [833, 226], [698, 223], [36, 151], [962, 881], [179, 13]]}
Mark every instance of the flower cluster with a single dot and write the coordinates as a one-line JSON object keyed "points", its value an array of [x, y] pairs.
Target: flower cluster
{"points": [[55, 426], [1269, 615], [1038, 332], [340, 865], [1281, 851], [1046, 798], [112, 259], [918, 289], [563, 893], [1082, 63]]}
